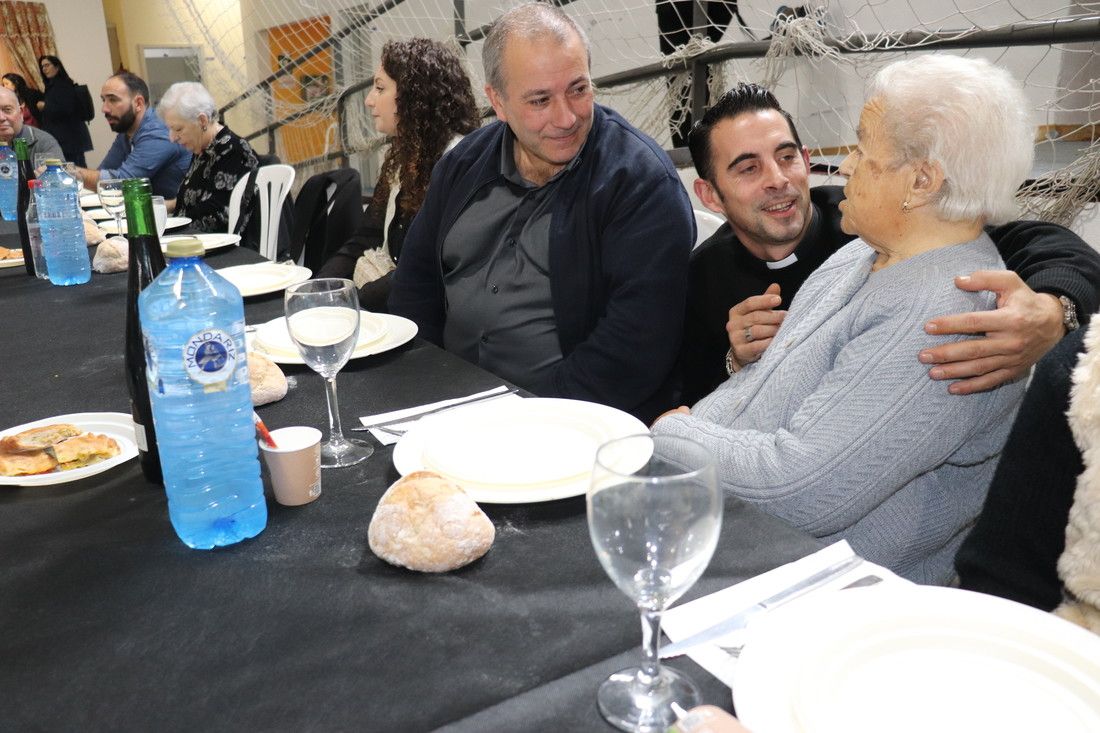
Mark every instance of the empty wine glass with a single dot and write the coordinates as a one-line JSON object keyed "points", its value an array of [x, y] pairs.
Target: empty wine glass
{"points": [[160, 214], [323, 319], [654, 513], [110, 198]]}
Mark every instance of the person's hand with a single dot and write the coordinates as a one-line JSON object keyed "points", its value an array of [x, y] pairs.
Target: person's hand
{"points": [[681, 410], [1024, 326], [752, 324]]}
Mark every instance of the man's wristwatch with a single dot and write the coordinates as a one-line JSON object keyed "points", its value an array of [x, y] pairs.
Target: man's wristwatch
{"points": [[1069, 314]]}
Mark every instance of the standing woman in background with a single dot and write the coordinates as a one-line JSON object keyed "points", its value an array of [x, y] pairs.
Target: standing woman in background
{"points": [[59, 111], [28, 97], [422, 100]]}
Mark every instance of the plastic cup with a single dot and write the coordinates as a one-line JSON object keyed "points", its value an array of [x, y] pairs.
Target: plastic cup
{"points": [[295, 465]]}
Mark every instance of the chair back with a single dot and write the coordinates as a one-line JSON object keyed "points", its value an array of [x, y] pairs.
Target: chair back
{"points": [[328, 210], [706, 224], [273, 182]]}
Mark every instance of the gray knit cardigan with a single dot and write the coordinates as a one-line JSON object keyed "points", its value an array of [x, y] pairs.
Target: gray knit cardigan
{"points": [[839, 430]]}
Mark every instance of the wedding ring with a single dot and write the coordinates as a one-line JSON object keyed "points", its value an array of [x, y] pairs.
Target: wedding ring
{"points": [[748, 334]]}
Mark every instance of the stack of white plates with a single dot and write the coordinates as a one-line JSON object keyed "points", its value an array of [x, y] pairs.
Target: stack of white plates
{"points": [[914, 660], [517, 451], [264, 277], [209, 241], [378, 332]]}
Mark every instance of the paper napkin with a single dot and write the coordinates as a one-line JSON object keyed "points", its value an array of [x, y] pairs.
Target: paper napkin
{"points": [[683, 621]]}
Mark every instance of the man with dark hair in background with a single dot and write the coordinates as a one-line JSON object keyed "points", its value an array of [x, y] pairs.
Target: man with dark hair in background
{"points": [[142, 148]]}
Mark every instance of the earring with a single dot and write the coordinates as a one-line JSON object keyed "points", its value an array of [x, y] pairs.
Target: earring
{"points": [[905, 206]]}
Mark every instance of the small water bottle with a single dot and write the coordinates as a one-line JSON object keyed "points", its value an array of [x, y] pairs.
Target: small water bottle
{"points": [[9, 183], [192, 322], [34, 231], [59, 216]]}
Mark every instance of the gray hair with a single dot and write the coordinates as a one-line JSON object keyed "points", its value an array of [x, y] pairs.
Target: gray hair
{"points": [[187, 100], [971, 118], [530, 20]]}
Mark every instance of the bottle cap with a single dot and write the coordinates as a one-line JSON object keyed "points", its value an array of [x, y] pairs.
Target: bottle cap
{"points": [[52, 161], [189, 247], [34, 183]]}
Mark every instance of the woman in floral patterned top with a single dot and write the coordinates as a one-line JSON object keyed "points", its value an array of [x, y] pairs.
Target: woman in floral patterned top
{"points": [[218, 157]]}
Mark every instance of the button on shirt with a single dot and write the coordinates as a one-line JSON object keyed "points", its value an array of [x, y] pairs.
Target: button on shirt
{"points": [[149, 154], [496, 275]]}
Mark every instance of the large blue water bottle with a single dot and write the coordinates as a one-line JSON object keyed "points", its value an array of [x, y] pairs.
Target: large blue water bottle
{"points": [[9, 183], [63, 243], [192, 321]]}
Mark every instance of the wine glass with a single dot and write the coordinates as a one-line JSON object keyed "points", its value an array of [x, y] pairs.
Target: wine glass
{"points": [[323, 319], [654, 512], [160, 214], [111, 199]]}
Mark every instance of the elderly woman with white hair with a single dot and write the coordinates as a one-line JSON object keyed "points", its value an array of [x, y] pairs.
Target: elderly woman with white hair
{"points": [[219, 158], [837, 429]]}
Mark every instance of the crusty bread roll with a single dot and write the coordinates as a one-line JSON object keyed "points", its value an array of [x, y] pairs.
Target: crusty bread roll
{"points": [[27, 463], [426, 522], [84, 450], [38, 438], [266, 379], [112, 255]]}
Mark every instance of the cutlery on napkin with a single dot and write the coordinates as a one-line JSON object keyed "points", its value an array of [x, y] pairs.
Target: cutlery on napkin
{"points": [[690, 618], [741, 619], [387, 427]]}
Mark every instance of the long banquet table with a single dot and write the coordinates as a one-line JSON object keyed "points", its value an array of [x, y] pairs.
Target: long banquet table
{"points": [[108, 622]]}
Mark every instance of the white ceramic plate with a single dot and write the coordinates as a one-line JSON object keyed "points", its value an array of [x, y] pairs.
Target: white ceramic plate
{"points": [[273, 340], [173, 222], [100, 214], [89, 200], [18, 262], [516, 451], [264, 277], [912, 659], [116, 425], [209, 241]]}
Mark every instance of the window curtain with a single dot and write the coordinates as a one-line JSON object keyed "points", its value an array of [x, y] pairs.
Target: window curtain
{"points": [[26, 34]]}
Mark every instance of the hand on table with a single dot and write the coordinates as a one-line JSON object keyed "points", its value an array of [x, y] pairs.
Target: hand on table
{"points": [[1024, 326], [752, 324], [681, 410]]}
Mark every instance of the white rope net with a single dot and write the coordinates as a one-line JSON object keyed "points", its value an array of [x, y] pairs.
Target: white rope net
{"points": [[295, 60]]}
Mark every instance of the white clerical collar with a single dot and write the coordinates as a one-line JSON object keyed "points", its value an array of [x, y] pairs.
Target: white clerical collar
{"points": [[785, 262]]}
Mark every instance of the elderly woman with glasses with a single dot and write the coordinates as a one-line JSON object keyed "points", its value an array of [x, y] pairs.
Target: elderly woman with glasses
{"points": [[219, 158], [837, 429]]}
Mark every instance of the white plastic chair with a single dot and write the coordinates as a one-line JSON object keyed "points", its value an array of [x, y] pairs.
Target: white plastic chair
{"points": [[273, 182], [707, 224]]}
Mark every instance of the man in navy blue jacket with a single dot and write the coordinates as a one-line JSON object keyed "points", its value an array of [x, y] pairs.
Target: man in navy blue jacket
{"points": [[552, 247]]}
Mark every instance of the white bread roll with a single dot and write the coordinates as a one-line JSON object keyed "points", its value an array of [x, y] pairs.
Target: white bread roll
{"points": [[266, 379], [112, 255], [427, 522]]}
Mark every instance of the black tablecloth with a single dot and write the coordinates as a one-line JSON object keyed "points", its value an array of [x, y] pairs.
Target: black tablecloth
{"points": [[108, 622]]}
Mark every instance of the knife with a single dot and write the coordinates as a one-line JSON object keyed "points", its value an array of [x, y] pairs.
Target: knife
{"points": [[416, 416], [740, 619]]}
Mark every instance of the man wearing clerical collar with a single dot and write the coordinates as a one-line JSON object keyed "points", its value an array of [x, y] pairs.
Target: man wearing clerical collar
{"points": [[754, 170], [552, 246]]}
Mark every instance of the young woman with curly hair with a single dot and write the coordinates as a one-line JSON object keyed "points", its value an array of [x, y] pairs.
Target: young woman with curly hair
{"points": [[423, 100]]}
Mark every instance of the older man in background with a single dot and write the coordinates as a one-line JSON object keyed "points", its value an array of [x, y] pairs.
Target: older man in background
{"points": [[552, 248], [39, 142], [142, 148]]}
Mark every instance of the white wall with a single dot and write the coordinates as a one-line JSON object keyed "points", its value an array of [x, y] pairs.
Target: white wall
{"points": [[81, 34]]}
